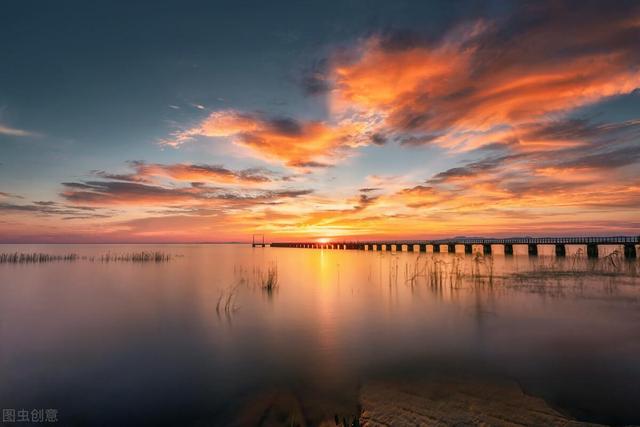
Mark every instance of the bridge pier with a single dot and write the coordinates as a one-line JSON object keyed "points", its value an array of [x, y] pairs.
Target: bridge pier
{"points": [[630, 251], [592, 247]]}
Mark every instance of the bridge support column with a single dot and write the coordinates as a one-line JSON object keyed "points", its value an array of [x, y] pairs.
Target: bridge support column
{"points": [[533, 249], [508, 249], [410, 247], [468, 249], [486, 249], [422, 248], [592, 250], [630, 251], [561, 250], [436, 248], [451, 248]]}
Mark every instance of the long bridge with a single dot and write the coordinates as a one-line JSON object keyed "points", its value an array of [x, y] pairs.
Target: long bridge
{"points": [[589, 245]]}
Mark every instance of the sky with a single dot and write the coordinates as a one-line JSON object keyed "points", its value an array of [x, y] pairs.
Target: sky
{"points": [[209, 121]]}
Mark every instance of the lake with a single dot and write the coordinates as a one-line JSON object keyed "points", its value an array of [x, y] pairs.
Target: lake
{"points": [[199, 340]]}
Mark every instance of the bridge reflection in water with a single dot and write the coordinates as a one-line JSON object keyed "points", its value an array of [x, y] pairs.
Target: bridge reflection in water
{"points": [[558, 246]]}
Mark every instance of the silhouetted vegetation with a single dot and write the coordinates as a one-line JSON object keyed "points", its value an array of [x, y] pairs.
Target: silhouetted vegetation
{"points": [[32, 258], [269, 280], [37, 258], [578, 265]]}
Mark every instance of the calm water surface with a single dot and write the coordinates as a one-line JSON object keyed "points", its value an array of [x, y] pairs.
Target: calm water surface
{"points": [[197, 341]]}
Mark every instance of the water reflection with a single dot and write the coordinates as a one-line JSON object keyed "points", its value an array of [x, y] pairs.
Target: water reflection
{"points": [[201, 339]]}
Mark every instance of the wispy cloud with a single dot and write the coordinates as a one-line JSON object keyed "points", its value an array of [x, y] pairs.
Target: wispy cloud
{"points": [[51, 208], [200, 172], [11, 131], [126, 193]]}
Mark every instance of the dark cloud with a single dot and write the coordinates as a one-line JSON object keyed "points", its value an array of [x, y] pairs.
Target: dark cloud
{"points": [[49, 208], [310, 164], [145, 172], [262, 195], [10, 195], [314, 79], [606, 160], [119, 177], [378, 139], [470, 170], [116, 192], [285, 126], [582, 130], [416, 140], [130, 193], [366, 200]]}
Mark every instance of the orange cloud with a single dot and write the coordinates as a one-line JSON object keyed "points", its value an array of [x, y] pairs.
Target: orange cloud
{"points": [[300, 144], [480, 76], [202, 172]]}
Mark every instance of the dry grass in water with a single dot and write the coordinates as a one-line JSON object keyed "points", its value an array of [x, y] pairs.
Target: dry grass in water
{"points": [[226, 300], [34, 258], [257, 277], [269, 280], [578, 265], [38, 258]]}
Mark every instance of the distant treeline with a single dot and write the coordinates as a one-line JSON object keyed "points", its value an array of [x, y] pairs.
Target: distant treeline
{"points": [[36, 258]]}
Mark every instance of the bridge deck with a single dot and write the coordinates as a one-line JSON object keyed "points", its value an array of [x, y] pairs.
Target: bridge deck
{"points": [[609, 240], [630, 244]]}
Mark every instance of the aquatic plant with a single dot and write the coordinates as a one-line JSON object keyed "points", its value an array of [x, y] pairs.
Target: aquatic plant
{"points": [[482, 269], [143, 256], [36, 258], [270, 278], [226, 300], [33, 258]]}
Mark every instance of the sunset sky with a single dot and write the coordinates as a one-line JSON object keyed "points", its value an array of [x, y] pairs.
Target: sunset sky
{"points": [[211, 121]]}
